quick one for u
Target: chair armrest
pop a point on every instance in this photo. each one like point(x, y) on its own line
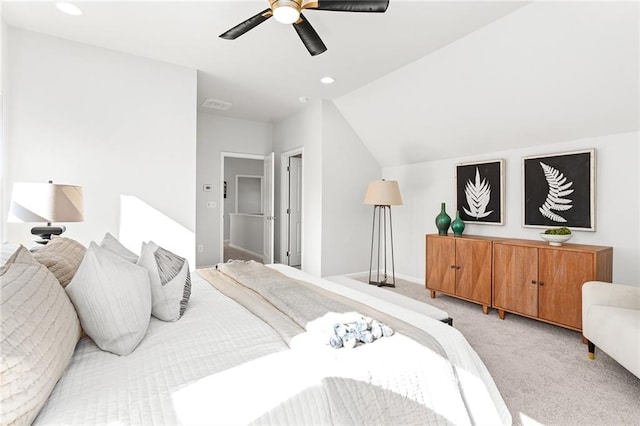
point(607, 294)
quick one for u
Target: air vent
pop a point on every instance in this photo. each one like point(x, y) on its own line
point(216, 104)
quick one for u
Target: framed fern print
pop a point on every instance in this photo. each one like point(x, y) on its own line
point(559, 190)
point(480, 191)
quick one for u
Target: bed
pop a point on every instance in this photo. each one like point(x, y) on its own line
point(237, 356)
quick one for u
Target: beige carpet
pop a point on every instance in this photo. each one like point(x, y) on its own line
point(542, 370)
point(231, 253)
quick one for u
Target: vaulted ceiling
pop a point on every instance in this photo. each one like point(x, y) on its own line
point(425, 80)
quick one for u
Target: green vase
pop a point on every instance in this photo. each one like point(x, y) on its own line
point(457, 226)
point(443, 221)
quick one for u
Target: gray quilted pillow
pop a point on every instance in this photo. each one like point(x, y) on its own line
point(62, 256)
point(39, 330)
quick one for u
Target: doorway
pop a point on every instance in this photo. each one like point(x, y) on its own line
point(247, 192)
point(292, 202)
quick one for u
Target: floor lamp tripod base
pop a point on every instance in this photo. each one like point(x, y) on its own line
point(381, 211)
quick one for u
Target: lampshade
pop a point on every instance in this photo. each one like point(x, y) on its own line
point(383, 193)
point(286, 11)
point(45, 202)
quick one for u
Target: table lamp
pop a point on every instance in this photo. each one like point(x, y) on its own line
point(45, 202)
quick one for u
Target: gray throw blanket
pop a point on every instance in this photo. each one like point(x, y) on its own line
point(403, 379)
point(303, 302)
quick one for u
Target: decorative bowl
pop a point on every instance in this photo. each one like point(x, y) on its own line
point(555, 239)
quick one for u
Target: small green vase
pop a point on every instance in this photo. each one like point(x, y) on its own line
point(457, 226)
point(443, 220)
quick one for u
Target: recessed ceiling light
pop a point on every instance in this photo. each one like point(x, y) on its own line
point(68, 8)
point(303, 99)
point(327, 79)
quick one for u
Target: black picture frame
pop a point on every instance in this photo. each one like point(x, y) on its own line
point(480, 192)
point(559, 190)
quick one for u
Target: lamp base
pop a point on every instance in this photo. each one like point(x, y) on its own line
point(382, 283)
point(45, 232)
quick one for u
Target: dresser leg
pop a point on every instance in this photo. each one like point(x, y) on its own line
point(485, 309)
point(433, 294)
point(501, 314)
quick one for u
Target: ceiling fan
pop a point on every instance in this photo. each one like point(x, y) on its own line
point(289, 12)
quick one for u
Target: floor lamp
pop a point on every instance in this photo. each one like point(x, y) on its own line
point(382, 194)
point(46, 202)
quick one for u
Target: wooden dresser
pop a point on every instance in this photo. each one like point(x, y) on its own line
point(460, 267)
point(526, 277)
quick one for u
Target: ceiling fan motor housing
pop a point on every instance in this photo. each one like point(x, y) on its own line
point(286, 11)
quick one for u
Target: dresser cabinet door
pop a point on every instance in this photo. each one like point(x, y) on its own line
point(441, 257)
point(473, 270)
point(515, 278)
point(561, 275)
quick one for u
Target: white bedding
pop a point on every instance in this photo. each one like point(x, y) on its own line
point(100, 387)
point(220, 364)
point(480, 392)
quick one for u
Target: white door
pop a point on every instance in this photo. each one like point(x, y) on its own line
point(295, 211)
point(268, 194)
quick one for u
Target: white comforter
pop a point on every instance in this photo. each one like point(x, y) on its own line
point(220, 364)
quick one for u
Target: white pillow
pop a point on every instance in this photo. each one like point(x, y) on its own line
point(113, 300)
point(39, 331)
point(111, 243)
point(170, 281)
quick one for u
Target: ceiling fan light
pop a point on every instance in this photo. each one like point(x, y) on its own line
point(286, 11)
point(68, 8)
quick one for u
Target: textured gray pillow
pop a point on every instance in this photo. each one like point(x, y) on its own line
point(170, 281)
point(39, 331)
point(113, 300)
point(111, 243)
point(62, 256)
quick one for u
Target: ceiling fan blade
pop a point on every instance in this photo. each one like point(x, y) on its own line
point(247, 25)
point(376, 6)
point(309, 36)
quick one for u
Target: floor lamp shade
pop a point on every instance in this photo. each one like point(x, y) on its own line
point(46, 202)
point(382, 194)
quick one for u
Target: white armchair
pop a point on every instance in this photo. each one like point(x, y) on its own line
point(611, 321)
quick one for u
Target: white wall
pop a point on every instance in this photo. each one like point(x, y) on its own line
point(121, 126)
point(3, 144)
point(347, 168)
point(215, 136)
point(303, 129)
point(337, 168)
point(425, 185)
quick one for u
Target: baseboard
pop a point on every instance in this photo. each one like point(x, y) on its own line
point(404, 277)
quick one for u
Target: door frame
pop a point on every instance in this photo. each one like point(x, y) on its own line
point(224, 155)
point(284, 195)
